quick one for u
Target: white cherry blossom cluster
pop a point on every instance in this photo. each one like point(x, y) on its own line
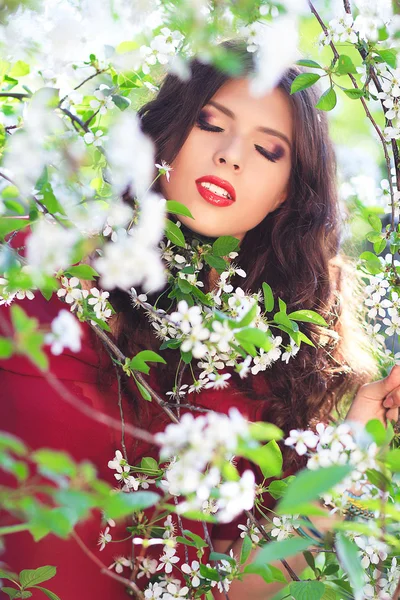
point(162, 48)
point(383, 304)
point(202, 445)
point(339, 445)
point(365, 26)
point(380, 586)
point(124, 474)
point(7, 296)
point(72, 293)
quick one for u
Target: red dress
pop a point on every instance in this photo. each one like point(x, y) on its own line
point(32, 410)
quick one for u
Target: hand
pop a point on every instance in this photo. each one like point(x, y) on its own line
point(378, 400)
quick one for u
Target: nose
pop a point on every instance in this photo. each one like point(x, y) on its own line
point(230, 155)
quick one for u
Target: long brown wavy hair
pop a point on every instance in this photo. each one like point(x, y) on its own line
point(296, 249)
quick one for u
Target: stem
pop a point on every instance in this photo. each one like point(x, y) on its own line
point(14, 528)
point(103, 569)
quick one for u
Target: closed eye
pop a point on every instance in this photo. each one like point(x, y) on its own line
point(271, 156)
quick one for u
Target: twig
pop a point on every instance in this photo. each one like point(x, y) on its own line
point(103, 569)
point(180, 525)
point(75, 119)
point(81, 84)
point(17, 95)
point(121, 412)
point(210, 544)
point(268, 538)
point(122, 358)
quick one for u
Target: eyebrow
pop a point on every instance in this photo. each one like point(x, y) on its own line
point(268, 130)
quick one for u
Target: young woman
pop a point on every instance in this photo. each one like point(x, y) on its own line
point(274, 157)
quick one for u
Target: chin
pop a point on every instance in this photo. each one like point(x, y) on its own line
point(204, 229)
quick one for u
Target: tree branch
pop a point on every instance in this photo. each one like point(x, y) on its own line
point(103, 569)
point(122, 358)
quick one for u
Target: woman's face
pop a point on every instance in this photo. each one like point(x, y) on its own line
point(233, 153)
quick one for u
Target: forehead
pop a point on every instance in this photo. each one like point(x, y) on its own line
point(270, 110)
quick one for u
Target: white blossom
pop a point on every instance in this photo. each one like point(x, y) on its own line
point(105, 537)
point(301, 440)
point(65, 333)
point(193, 571)
point(285, 526)
point(167, 560)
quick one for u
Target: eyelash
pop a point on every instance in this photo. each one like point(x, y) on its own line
point(273, 157)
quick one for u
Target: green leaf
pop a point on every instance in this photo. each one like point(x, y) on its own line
point(8, 575)
point(186, 357)
point(49, 200)
point(29, 577)
point(20, 69)
point(246, 549)
point(392, 460)
point(279, 550)
point(268, 572)
point(278, 488)
point(198, 540)
point(216, 262)
point(306, 62)
point(327, 100)
point(85, 272)
point(377, 431)
point(380, 246)
point(8, 441)
point(268, 297)
point(389, 57)
point(308, 316)
point(309, 485)
point(372, 262)
point(120, 504)
point(174, 234)
point(224, 245)
point(267, 457)
point(304, 81)
point(221, 556)
point(349, 558)
point(121, 102)
point(11, 592)
point(354, 93)
point(307, 590)
point(149, 463)
point(144, 393)
point(345, 65)
point(254, 336)
point(9, 224)
point(209, 573)
point(177, 208)
point(248, 318)
point(54, 461)
point(375, 223)
point(186, 542)
point(6, 347)
point(47, 592)
point(329, 593)
point(261, 431)
point(138, 362)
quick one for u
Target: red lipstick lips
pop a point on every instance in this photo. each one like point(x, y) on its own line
point(212, 197)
